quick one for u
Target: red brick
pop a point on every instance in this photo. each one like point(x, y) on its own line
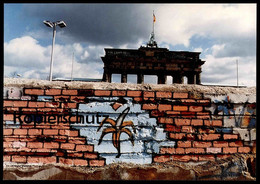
point(7, 144)
point(195, 108)
point(184, 158)
point(50, 132)
point(244, 149)
point(52, 104)
point(184, 144)
point(188, 129)
point(148, 94)
point(201, 144)
point(149, 106)
point(194, 150)
point(102, 93)
point(172, 128)
point(172, 113)
point(45, 160)
point(66, 161)
point(20, 131)
point(71, 133)
point(197, 122)
point(20, 103)
point(80, 162)
point(89, 148)
point(53, 92)
point(96, 163)
point(18, 158)
point(207, 158)
point(36, 104)
point(177, 135)
point(134, 93)
point(230, 136)
point(77, 98)
point(230, 150)
point(180, 95)
point(165, 120)
point(75, 155)
point(216, 122)
point(118, 93)
point(34, 131)
point(69, 105)
point(182, 122)
point(162, 158)
point(34, 91)
point(164, 107)
point(68, 146)
point(6, 158)
point(8, 131)
point(164, 150)
point(220, 144)
point(180, 108)
point(236, 144)
point(51, 145)
point(34, 144)
point(207, 137)
point(8, 117)
point(90, 155)
point(163, 94)
point(69, 92)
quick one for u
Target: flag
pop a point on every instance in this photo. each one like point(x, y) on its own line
point(154, 18)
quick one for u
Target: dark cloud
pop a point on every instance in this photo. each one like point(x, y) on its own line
point(107, 24)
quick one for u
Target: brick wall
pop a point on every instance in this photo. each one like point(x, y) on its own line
point(94, 127)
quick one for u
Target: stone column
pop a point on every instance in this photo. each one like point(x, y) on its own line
point(106, 76)
point(123, 78)
point(198, 79)
point(140, 78)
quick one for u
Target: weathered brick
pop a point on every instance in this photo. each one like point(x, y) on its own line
point(188, 129)
point(220, 144)
point(172, 128)
point(182, 122)
point(19, 145)
point(53, 92)
point(184, 144)
point(85, 92)
point(244, 149)
point(134, 93)
point(34, 131)
point(69, 92)
point(230, 136)
point(34, 144)
point(39, 159)
point(75, 155)
point(177, 135)
point(236, 144)
point(8, 131)
point(20, 131)
point(69, 105)
point(180, 95)
point(102, 93)
point(172, 113)
point(8, 117)
point(147, 94)
point(195, 108)
point(96, 163)
point(163, 94)
point(149, 106)
point(202, 144)
point(52, 104)
point(162, 158)
point(118, 93)
point(165, 120)
point(67, 146)
point(80, 162)
point(71, 133)
point(207, 137)
point(165, 150)
point(36, 104)
point(50, 132)
point(89, 148)
point(180, 108)
point(66, 161)
point(51, 145)
point(164, 107)
point(19, 159)
point(213, 150)
point(90, 155)
point(194, 150)
point(20, 103)
point(230, 150)
point(184, 158)
point(206, 158)
point(197, 122)
point(34, 91)
point(6, 158)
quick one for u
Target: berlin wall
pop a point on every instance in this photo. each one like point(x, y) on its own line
point(97, 125)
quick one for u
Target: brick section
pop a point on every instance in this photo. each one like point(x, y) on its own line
point(118, 93)
point(180, 95)
point(33, 91)
point(163, 94)
point(102, 93)
point(134, 93)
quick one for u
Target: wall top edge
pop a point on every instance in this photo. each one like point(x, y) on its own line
point(34, 83)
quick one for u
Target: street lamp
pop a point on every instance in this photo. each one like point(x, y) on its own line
point(53, 25)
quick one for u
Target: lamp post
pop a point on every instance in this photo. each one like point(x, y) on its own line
point(53, 25)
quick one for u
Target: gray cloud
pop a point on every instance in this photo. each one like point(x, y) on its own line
point(106, 24)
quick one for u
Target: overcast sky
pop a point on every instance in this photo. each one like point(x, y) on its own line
point(223, 33)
